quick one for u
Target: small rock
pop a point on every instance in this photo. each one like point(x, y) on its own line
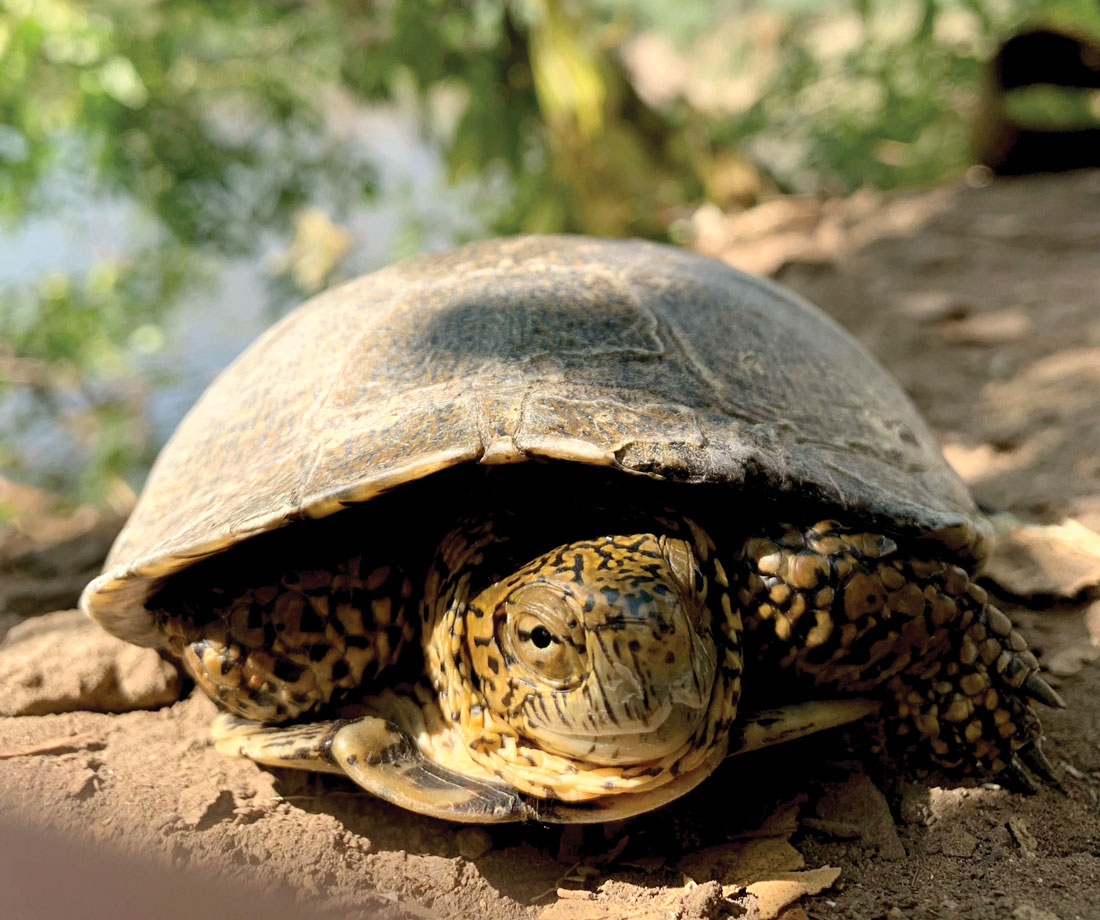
point(859, 802)
point(916, 807)
point(473, 842)
point(83, 785)
point(1025, 840)
point(959, 843)
point(63, 662)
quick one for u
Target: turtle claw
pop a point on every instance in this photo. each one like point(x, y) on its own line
point(1016, 776)
point(1038, 689)
point(1032, 756)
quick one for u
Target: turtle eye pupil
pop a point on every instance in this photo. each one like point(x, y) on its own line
point(541, 637)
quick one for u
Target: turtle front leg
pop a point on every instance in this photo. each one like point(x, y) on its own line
point(852, 612)
point(278, 651)
point(380, 756)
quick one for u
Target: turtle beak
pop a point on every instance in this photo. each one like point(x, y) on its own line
point(676, 671)
point(647, 690)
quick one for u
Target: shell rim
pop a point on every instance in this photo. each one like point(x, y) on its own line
point(115, 599)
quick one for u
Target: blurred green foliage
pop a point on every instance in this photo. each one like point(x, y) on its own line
point(212, 117)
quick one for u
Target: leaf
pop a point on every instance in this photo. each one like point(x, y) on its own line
point(770, 897)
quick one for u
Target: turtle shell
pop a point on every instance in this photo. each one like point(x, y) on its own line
point(624, 354)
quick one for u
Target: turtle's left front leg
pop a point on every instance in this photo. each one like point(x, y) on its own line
point(855, 613)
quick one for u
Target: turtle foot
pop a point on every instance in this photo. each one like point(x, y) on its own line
point(378, 755)
point(975, 707)
point(858, 613)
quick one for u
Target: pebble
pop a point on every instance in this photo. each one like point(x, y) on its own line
point(83, 785)
point(960, 844)
point(1025, 840)
point(915, 806)
point(473, 842)
point(860, 804)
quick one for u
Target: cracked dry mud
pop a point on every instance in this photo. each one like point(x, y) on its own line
point(985, 303)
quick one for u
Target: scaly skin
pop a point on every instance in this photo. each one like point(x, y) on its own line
point(278, 652)
point(638, 675)
point(606, 666)
point(853, 612)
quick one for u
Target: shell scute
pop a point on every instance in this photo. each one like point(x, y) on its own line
point(622, 354)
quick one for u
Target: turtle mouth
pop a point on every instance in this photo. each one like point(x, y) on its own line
point(621, 716)
point(667, 730)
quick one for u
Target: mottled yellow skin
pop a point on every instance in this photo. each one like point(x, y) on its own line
point(601, 666)
point(556, 376)
point(603, 676)
point(605, 671)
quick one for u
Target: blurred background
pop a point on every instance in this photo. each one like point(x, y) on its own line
point(176, 174)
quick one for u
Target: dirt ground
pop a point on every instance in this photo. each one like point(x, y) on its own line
point(985, 302)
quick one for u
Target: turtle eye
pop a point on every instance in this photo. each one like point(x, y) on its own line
point(538, 647)
point(537, 633)
point(541, 637)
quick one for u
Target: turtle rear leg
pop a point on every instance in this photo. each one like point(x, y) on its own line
point(854, 613)
point(281, 650)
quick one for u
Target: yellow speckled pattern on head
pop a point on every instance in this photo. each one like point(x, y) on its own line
point(636, 682)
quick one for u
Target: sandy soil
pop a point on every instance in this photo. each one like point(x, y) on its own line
point(985, 302)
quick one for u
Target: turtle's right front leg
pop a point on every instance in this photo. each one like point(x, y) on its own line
point(854, 613)
point(278, 651)
point(380, 756)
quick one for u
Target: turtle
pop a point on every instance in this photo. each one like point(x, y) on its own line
point(545, 527)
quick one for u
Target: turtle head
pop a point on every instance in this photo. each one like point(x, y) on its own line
point(603, 673)
point(600, 650)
